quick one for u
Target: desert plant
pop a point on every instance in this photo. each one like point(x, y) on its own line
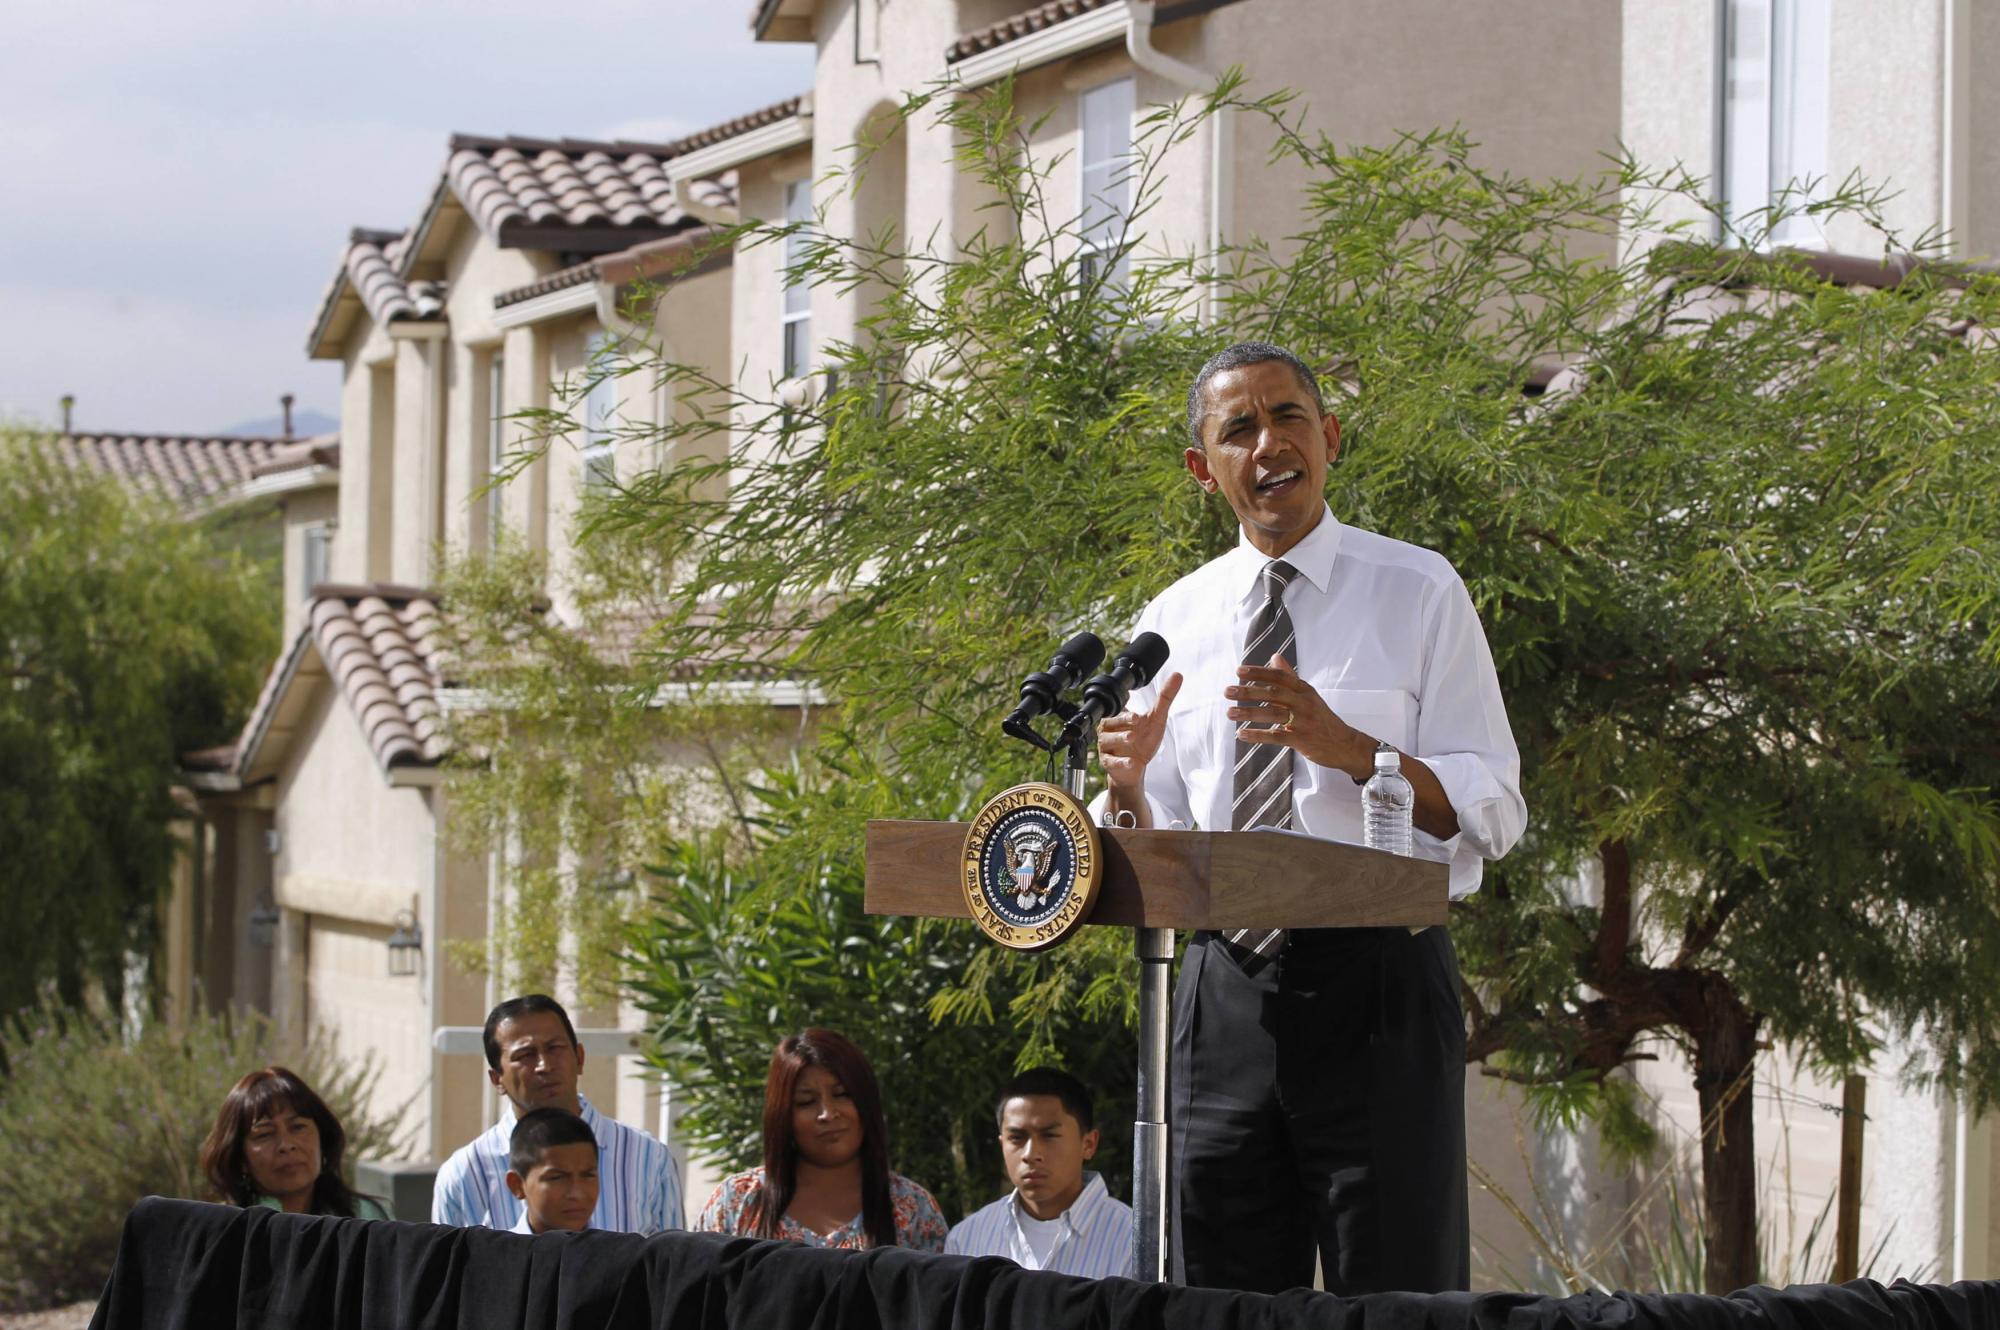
point(93, 1120)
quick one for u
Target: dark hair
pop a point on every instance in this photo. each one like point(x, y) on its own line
point(1054, 1082)
point(1236, 357)
point(543, 1129)
point(268, 1093)
point(514, 1009)
point(838, 1055)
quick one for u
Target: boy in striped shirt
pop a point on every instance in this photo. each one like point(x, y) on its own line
point(1058, 1217)
point(534, 1060)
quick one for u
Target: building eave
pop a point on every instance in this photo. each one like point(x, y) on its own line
point(557, 304)
point(1085, 32)
point(299, 480)
point(793, 131)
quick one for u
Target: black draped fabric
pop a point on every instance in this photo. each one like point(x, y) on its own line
point(186, 1264)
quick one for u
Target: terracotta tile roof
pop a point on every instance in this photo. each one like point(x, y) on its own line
point(184, 469)
point(1018, 26)
point(379, 646)
point(742, 124)
point(370, 278)
point(511, 184)
point(382, 650)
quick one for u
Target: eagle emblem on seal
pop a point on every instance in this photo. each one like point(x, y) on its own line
point(1031, 853)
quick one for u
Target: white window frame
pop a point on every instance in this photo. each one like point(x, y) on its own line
point(315, 556)
point(496, 441)
point(1104, 116)
point(600, 414)
point(795, 300)
point(1776, 82)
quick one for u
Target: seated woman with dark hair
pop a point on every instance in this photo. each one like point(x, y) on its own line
point(825, 1180)
point(276, 1143)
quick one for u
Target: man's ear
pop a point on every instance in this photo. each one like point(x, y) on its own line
point(1332, 423)
point(1090, 1143)
point(493, 1077)
point(579, 1054)
point(519, 1185)
point(1197, 465)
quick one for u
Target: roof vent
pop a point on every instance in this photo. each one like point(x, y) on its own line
point(286, 401)
point(68, 405)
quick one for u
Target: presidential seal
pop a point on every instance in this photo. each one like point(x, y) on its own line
point(1030, 867)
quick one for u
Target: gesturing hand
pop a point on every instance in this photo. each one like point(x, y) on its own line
point(1275, 706)
point(1127, 741)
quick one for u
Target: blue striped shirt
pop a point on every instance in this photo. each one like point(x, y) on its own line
point(639, 1189)
point(1096, 1237)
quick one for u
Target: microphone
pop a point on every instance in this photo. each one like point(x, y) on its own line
point(1041, 692)
point(1106, 694)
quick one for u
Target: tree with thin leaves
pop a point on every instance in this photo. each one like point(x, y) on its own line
point(1736, 563)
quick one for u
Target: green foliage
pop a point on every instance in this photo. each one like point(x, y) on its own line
point(728, 960)
point(128, 635)
point(1736, 565)
point(584, 766)
point(93, 1120)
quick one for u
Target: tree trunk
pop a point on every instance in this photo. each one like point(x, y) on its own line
point(1725, 1052)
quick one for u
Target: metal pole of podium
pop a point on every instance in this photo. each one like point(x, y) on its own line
point(1149, 1132)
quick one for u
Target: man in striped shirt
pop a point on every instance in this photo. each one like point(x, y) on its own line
point(533, 1058)
point(1058, 1217)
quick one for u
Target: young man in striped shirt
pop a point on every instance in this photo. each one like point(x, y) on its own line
point(1058, 1217)
point(533, 1058)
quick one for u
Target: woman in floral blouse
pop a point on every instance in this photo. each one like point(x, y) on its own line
point(825, 1180)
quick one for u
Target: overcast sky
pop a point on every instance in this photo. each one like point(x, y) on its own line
point(177, 180)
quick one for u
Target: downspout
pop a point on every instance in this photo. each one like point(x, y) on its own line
point(1139, 44)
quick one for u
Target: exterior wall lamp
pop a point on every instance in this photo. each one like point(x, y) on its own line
point(406, 945)
point(263, 923)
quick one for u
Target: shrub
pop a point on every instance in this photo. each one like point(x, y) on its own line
point(93, 1119)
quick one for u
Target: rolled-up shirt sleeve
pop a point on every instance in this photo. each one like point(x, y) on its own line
point(1464, 738)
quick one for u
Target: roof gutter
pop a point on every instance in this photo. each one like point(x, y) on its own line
point(793, 131)
point(295, 481)
point(1070, 37)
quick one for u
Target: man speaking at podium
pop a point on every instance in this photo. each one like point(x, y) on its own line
point(1317, 1079)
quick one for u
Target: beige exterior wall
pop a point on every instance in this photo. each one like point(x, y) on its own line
point(352, 853)
point(476, 269)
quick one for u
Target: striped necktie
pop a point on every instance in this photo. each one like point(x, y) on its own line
point(1263, 779)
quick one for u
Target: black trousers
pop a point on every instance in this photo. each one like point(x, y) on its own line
point(1319, 1102)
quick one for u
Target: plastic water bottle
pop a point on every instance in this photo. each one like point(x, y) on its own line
point(1386, 804)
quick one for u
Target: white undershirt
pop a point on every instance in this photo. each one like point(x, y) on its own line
point(1040, 1235)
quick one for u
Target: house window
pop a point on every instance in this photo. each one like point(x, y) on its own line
point(496, 441)
point(1104, 117)
point(600, 405)
point(797, 313)
point(315, 557)
point(1774, 112)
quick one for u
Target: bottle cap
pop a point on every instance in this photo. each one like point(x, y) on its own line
point(1388, 759)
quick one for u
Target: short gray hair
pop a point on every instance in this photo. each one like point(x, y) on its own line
point(1236, 357)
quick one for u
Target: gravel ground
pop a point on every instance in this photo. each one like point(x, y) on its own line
point(74, 1317)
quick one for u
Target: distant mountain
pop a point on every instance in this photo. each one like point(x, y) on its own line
point(305, 424)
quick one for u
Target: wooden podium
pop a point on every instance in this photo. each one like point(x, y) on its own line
point(1155, 882)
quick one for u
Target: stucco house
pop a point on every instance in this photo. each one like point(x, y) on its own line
point(324, 820)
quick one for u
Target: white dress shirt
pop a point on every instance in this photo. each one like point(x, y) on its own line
point(1388, 636)
point(1093, 1238)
